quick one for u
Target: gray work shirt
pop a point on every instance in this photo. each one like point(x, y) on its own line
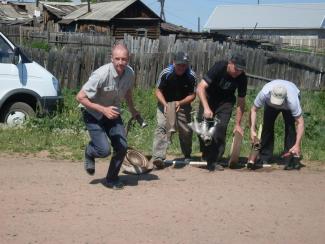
point(106, 88)
point(291, 102)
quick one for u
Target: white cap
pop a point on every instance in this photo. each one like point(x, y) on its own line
point(278, 95)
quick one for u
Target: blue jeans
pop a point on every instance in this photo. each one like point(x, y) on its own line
point(99, 146)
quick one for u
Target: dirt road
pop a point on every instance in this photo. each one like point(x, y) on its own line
point(49, 201)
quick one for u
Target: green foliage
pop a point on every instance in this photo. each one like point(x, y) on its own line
point(63, 135)
point(40, 45)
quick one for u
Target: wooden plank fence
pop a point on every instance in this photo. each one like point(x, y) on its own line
point(75, 55)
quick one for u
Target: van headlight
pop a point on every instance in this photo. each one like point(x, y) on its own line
point(56, 84)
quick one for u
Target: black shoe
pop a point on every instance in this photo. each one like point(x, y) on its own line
point(89, 164)
point(115, 185)
point(158, 163)
point(235, 166)
point(187, 160)
point(211, 167)
point(289, 167)
point(254, 166)
point(250, 165)
point(288, 159)
point(296, 162)
point(214, 167)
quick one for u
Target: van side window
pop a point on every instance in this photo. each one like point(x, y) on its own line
point(6, 53)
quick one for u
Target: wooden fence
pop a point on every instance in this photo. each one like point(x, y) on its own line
point(74, 56)
point(317, 45)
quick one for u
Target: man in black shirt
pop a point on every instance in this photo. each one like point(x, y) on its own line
point(176, 85)
point(217, 94)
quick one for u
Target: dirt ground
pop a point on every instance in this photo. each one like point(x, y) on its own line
point(51, 201)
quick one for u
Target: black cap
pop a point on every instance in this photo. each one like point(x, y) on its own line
point(239, 60)
point(181, 58)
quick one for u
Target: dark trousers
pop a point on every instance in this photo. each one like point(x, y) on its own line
point(216, 149)
point(99, 147)
point(267, 137)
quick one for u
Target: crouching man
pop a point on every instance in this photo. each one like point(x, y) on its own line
point(278, 96)
point(175, 92)
point(217, 95)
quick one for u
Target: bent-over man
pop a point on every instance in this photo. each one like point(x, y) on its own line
point(278, 96)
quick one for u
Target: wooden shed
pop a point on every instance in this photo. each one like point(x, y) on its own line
point(116, 18)
point(53, 12)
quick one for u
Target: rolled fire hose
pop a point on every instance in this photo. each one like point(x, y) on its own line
point(135, 162)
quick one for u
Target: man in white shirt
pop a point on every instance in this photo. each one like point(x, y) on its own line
point(278, 96)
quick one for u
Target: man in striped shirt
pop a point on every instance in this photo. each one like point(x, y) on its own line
point(176, 85)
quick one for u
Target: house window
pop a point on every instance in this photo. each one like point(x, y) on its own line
point(141, 32)
point(91, 28)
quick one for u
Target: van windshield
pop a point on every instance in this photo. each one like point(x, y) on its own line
point(6, 52)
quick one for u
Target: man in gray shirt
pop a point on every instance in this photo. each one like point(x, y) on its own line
point(101, 96)
point(278, 96)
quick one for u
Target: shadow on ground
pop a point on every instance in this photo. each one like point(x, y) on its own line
point(129, 180)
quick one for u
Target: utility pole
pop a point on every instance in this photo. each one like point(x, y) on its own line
point(198, 24)
point(88, 3)
point(258, 2)
point(162, 12)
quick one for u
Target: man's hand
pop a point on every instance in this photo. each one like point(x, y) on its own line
point(165, 108)
point(177, 106)
point(208, 114)
point(239, 129)
point(295, 150)
point(111, 112)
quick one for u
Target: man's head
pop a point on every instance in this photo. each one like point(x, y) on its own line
point(120, 58)
point(278, 95)
point(181, 62)
point(236, 64)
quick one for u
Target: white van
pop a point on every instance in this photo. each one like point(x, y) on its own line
point(26, 88)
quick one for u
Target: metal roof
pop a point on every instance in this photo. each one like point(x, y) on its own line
point(60, 10)
point(267, 16)
point(103, 11)
point(9, 12)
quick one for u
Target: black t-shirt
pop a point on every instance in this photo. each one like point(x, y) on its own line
point(222, 86)
point(174, 87)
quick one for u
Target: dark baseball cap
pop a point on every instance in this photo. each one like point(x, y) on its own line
point(181, 58)
point(239, 61)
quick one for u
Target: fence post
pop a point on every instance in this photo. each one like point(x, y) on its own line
point(20, 36)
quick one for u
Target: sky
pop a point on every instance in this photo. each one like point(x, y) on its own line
point(187, 12)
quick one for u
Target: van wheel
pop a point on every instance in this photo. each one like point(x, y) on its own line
point(18, 113)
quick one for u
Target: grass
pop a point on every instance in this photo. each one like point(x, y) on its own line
point(63, 136)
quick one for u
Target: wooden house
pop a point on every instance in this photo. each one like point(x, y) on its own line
point(132, 17)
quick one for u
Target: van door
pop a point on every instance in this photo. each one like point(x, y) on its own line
point(10, 73)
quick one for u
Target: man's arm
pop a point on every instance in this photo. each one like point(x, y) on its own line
point(201, 92)
point(161, 98)
point(186, 100)
point(253, 123)
point(110, 112)
point(300, 131)
point(129, 101)
point(239, 114)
